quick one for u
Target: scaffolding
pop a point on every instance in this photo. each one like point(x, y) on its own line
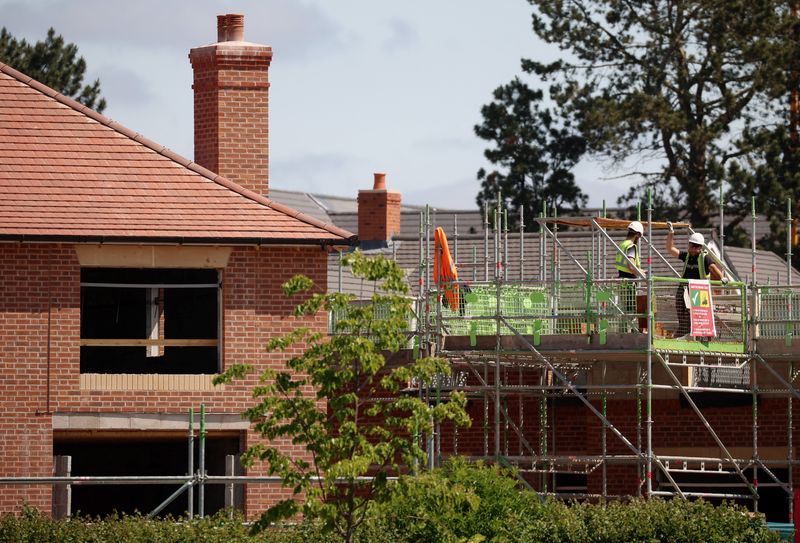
point(565, 333)
point(556, 339)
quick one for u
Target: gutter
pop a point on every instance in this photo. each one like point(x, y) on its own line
point(177, 240)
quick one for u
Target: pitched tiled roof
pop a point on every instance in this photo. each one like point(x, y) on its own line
point(69, 173)
point(474, 265)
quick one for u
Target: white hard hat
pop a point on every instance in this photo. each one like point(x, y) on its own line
point(637, 227)
point(697, 239)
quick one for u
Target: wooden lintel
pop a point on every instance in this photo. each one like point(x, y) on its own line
point(152, 256)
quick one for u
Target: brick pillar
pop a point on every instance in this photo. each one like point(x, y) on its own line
point(231, 106)
point(378, 212)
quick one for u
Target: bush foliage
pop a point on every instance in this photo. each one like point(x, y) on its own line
point(473, 503)
point(460, 503)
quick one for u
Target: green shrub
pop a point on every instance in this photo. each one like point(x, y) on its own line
point(459, 502)
point(548, 522)
point(31, 526)
point(464, 503)
point(472, 502)
point(640, 521)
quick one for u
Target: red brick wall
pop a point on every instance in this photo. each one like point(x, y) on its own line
point(33, 298)
point(378, 214)
point(573, 430)
point(231, 112)
point(41, 285)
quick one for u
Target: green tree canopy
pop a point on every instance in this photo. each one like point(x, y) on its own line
point(338, 400)
point(674, 80)
point(684, 96)
point(54, 63)
point(533, 150)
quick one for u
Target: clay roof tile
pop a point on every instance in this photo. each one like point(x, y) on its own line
point(70, 173)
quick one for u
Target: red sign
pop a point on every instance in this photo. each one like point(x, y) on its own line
point(701, 309)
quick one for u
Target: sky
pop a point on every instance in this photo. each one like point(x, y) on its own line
point(356, 86)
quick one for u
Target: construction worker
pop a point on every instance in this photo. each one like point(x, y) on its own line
point(696, 265)
point(629, 268)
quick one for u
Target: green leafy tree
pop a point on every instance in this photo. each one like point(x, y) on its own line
point(54, 63)
point(672, 83)
point(534, 153)
point(358, 441)
point(772, 175)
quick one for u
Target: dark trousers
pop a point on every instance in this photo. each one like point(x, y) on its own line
point(627, 293)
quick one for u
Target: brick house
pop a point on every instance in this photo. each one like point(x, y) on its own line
point(131, 275)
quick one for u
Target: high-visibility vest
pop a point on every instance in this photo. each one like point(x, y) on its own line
point(620, 263)
point(701, 264)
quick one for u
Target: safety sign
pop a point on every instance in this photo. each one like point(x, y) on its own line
point(701, 309)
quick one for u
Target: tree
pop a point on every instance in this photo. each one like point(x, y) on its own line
point(771, 175)
point(535, 152)
point(53, 63)
point(356, 443)
point(676, 81)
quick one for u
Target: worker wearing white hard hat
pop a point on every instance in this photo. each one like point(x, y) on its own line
point(695, 266)
point(697, 239)
point(637, 227)
point(630, 267)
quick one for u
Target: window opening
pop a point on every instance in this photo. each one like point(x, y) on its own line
point(142, 456)
point(571, 483)
point(150, 321)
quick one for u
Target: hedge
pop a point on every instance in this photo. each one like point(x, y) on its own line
point(460, 503)
point(471, 502)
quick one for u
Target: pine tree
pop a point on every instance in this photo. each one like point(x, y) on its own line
point(54, 63)
point(534, 153)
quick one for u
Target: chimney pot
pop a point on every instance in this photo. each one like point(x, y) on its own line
point(222, 28)
point(235, 27)
point(380, 181)
point(230, 27)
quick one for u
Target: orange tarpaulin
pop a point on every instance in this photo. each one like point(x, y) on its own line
point(444, 269)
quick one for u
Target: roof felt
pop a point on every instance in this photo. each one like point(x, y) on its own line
point(69, 173)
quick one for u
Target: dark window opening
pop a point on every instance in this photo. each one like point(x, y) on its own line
point(149, 321)
point(160, 456)
point(571, 483)
point(705, 400)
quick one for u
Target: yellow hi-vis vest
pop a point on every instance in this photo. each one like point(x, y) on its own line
point(701, 264)
point(620, 263)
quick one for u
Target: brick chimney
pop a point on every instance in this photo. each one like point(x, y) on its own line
point(231, 106)
point(378, 212)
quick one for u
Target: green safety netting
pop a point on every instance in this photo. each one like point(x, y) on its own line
point(574, 308)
